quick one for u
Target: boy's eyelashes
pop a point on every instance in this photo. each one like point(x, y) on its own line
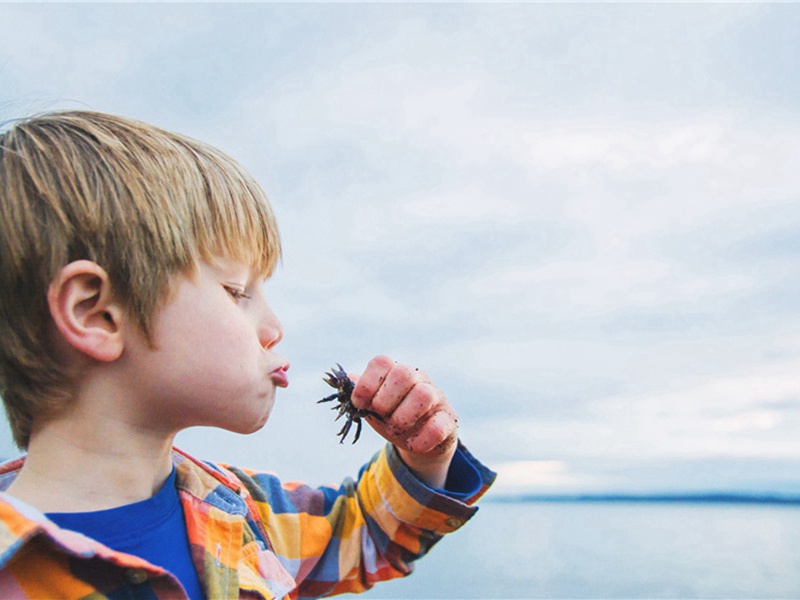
point(236, 293)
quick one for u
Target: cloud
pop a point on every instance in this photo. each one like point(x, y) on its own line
point(754, 414)
point(526, 474)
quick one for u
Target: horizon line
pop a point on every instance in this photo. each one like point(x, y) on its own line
point(660, 497)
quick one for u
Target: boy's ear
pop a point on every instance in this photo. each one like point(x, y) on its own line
point(85, 312)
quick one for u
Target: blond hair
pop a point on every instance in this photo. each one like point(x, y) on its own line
point(141, 202)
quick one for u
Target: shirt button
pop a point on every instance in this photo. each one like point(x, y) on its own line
point(136, 576)
point(454, 522)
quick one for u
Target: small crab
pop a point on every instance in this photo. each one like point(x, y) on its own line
point(338, 379)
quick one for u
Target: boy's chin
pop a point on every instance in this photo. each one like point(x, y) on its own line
point(255, 427)
point(240, 418)
point(248, 426)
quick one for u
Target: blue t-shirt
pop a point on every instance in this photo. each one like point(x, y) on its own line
point(153, 529)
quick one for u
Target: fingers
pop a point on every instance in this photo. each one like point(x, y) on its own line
point(384, 384)
point(401, 381)
point(416, 404)
point(370, 381)
point(436, 434)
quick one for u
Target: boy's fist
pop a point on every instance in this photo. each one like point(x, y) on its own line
point(417, 418)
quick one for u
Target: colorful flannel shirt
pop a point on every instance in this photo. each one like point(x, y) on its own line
point(250, 536)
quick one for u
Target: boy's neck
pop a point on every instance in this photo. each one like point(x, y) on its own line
point(89, 462)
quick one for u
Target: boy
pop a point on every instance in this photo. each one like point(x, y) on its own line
point(131, 269)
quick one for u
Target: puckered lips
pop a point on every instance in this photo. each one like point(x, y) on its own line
point(279, 376)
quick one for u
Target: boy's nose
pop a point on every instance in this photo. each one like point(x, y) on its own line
point(270, 330)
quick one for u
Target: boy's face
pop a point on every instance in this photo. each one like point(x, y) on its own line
point(212, 361)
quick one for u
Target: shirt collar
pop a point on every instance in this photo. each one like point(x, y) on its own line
point(19, 521)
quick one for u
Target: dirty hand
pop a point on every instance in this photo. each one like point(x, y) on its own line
point(417, 418)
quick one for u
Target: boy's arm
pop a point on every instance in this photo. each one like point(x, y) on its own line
point(335, 540)
point(346, 539)
point(400, 494)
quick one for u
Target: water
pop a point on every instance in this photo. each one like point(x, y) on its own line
point(612, 550)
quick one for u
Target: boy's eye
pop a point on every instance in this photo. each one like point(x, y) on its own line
point(237, 294)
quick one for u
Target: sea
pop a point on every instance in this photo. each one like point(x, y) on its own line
point(612, 549)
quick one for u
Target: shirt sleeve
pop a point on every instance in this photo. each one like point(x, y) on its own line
point(346, 539)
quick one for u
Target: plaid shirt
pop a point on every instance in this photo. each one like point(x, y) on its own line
point(250, 536)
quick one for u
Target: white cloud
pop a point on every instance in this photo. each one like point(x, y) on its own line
point(755, 419)
point(522, 475)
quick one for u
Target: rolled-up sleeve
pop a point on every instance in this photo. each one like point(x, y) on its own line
point(346, 539)
point(414, 503)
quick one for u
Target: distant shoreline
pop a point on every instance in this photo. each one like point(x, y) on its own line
point(675, 498)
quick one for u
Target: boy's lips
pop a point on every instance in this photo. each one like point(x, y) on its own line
point(279, 376)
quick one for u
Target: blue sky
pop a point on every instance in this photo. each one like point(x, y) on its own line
point(581, 219)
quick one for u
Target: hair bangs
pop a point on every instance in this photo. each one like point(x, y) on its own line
point(236, 220)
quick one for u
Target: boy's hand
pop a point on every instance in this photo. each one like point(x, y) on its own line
point(417, 418)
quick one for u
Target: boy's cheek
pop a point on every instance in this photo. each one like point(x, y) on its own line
point(186, 377)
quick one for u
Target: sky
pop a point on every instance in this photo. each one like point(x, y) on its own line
point(581, 220)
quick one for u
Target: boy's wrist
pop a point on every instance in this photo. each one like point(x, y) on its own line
point(431, 470)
